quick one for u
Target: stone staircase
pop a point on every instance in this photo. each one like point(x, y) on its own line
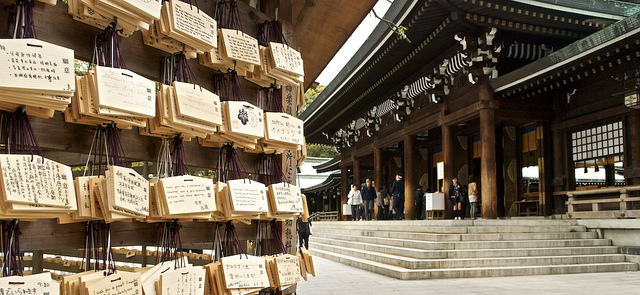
point(439, 249)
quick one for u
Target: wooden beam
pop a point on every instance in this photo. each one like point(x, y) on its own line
point(344, 189)
point(468, 113)
point(302, 19)
point(602, 114)
point(449, 160)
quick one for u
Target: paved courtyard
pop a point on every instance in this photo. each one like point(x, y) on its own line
point(336, 278)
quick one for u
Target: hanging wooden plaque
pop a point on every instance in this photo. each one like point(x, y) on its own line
point(286, 58)
point(36, 66)
point(126, 91)
point(248, 196)
point(130, 190)
point(183, 281)
point(245, 119)
point(188, 194)
point(245, 272)
point(281, 127)
point(194, 23)
point(28, 179)
point(240, 46)
point(198, 103)
point(288, 269)
point(287, 198)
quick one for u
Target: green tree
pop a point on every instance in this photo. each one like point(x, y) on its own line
point(321, 150)
point(310, 96)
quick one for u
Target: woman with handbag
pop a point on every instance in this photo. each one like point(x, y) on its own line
point(355, 200)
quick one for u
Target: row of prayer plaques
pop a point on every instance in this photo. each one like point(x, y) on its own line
point(36, 187)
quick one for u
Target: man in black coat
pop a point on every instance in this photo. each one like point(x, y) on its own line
point(419, 202)
point(397, 191)
point(368, 197)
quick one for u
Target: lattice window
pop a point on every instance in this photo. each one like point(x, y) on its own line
point(598, 142)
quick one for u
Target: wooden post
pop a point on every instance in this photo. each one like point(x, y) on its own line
point(409, 176)
point(36, 262)
point(449, 173)
point(510, 155)
point(377, 173)
point(544, 166)
point(488, 172)
point(633, 177)
point(356, 172)
point(559, 177)
point(344, 189)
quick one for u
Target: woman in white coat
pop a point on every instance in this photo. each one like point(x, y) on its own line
point(355, 200)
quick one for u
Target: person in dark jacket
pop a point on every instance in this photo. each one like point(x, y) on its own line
point(304, 229)
point(419, 202)
point(397, 191)
point(368, 197)
point(455, 197)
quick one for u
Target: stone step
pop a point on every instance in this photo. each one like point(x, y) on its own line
point(460, 237)
point(467, 245)
point(473, 253)
point(413, 274)
point(452, 223)
point(453, 229)
point(412, 263)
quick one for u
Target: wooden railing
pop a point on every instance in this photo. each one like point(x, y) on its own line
point(324, 216)
point(611, 202)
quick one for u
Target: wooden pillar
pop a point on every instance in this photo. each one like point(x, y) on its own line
point(344, 189)
point(409, 176)
point(377, 173)
point(544, 169)
point(356, 172)
point(632, 167)
point(489, 193)
point(449, 173)
point(510, 155)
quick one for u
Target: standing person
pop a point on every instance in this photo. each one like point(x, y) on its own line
point(380, 205)
point(419, 202)
point(368, 198)
point(397, 191)
point(387, 203)
point(463, 202)
point(455, 191)
point(355, 200)
point(304, 230)
point(473, 199)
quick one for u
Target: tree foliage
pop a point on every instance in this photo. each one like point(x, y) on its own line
point(310, 96)
point(321, 150)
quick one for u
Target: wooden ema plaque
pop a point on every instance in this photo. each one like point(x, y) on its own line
point(34, 180)
point(240, 46)
point(148, 8)
point(129, 190)
point(152, 275)
point(283, 128)
point(36, 66)
point(286, 58)
point(287, 270)
point(245, 119)
point(183, 281)
point(286, 198)
point(248, 196)
point(120, 283)
point(245, 272)
point(198, 103)
point(125, 91)
point(191, 25)
point(187, 195)
point(40, 284)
